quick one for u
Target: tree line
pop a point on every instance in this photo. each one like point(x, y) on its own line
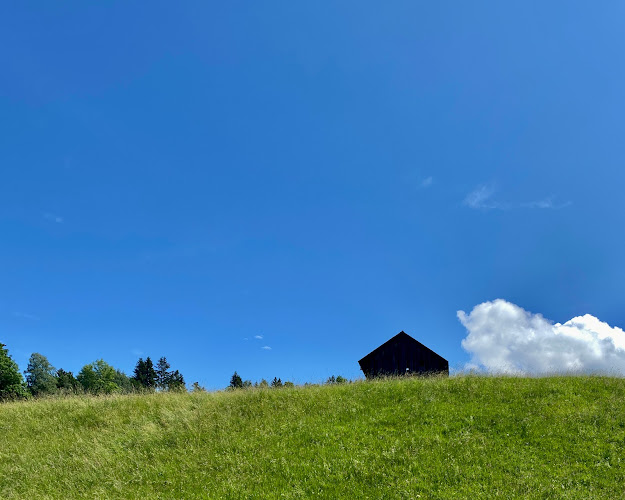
point(236, 382)
point(43, 379)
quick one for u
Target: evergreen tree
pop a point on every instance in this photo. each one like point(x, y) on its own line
point(40, 375)
point(236, 382)
point(162, 373)
point(145, 374)
point(276, 382)
point(11, 381)
point(167, 380)
point(175, 381)
point(66, 381)
point(196, 387)
point(263, 384)
point(138, 371)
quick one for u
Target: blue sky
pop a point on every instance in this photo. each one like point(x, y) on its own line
point(179, 179)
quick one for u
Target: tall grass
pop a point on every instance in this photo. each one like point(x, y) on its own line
point(459, 437)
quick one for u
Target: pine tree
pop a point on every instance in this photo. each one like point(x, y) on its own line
point(162, 373)
point(196, 387)
point(145, 374)
point(150, 374)
point(276, 382)
point(175, 381)
point(66, 380)
point(236, 382)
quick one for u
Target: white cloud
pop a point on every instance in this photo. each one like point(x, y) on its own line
point(53, 218)
point(481, 198)
point(503, 337)
point(266, 348)
point(258, 337)
point(427, 182)
point(546, 203)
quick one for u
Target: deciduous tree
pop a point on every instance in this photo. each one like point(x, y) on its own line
point(40, 375)
point(98, 378)
point(11, 381)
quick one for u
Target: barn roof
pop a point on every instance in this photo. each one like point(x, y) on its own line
point(405, 336)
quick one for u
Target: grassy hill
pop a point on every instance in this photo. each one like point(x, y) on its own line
point(462, 437)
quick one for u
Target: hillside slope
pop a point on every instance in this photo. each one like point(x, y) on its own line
point(462, 437)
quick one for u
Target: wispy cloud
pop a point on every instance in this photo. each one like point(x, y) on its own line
point(481, 198)
point(546, 203)
point(266, 348)
point(53, 218)
point(427, 182)
point(22, 315)
point(258, 337)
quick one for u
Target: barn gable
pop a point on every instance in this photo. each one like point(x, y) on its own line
point(401, 355)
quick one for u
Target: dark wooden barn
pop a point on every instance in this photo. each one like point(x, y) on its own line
point(402, 355)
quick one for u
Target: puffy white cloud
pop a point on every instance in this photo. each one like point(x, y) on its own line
point(503, 337)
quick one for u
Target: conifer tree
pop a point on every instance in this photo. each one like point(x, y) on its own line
point(145, 374)
point(162, 373)
point(236, 382)
point(175, 381)
point(66, 380)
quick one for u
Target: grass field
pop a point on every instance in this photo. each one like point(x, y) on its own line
point(462, 437)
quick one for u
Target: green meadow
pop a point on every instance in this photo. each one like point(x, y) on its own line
point(459, 437)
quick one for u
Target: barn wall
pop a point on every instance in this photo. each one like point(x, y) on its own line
point(393, 359)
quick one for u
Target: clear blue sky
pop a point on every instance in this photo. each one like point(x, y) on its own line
point(177, 178)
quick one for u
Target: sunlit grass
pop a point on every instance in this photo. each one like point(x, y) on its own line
point(459, 437)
